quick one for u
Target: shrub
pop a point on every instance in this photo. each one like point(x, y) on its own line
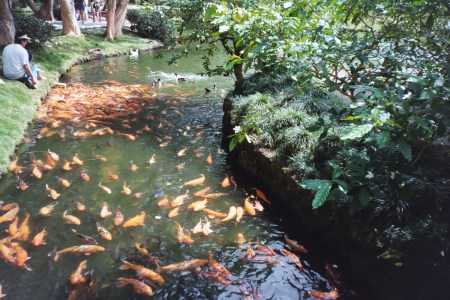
point(38, 30)
point(152, 24)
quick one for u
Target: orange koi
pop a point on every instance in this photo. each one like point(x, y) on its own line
point(143, 272)
point(126, 189)
point(39, 238)
point(81, 249)
point(70, 219)
point(138, 286)
point(173, 213)
point(52, 193)
point(66, 166)
point(195, 182)
point(105, 188)
point(209, 159)
point(231, 214)
point(105, 211)
point(76, 160)
point(225, 181)
point(84, 176)
point(76, 277)
point(334, 294)
point(294, 245)
point(216, 266)
point(249, 209)
point(22, 185)
point(64, 182)
point(213, 213)
point(292, 258)
point(183, 266)
point(118, 219)
point(202, 192)
point(138, 220)
point(261, 196)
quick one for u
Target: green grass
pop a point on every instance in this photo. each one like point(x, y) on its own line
point(18, 104)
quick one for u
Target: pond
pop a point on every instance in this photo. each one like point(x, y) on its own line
point(127, 145)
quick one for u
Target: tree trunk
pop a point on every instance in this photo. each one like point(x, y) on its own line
point(110, 19)
point(7, 29)
point(46, 11)
point(238, 72)
point(33, 6)
point(70, 26)
point(120, 16)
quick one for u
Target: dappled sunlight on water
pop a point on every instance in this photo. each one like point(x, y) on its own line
point(155, 139)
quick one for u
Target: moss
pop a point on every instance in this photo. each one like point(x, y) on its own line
point(18, 104)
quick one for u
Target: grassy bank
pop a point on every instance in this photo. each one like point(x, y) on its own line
point(18, 103)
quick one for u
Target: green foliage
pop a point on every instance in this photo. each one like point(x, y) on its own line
point(153, 24)
point(38, 30)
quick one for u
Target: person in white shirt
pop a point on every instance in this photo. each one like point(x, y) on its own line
point(16, 64)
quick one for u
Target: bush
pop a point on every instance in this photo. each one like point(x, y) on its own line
point(38, 30)
point(153, 25)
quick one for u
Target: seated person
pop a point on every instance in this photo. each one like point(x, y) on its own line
point(16, 64)
point(35, 69)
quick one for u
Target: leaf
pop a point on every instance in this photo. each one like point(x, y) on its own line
point(233, 143)
point(383, 138)
point(364, 197)
point(313, 184)
point(405, 149)
point(356, 131)
point(321, 195)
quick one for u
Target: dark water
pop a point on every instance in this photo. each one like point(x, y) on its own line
point(194, 123)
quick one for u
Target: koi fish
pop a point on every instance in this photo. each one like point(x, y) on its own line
point(70, 219)
point(104, 212)
point(182, 152)
point(198, 205)
point(81, 249)
point(163, 202)
point(7, 254)
point(84, 176)
point(133, 166)
point(173, 213)
point(21, 256)
point(105, 188)
point(180, 166)
point(76, 277)
point(264, 249)
point(22, 185)
point(85, 238)
point(125, 189)
point(231, 214)
point(23, 232)
point(181, 236)
point(292, 258)
point(141, 249)
point(113, 176)
point(12, 229)
point(295, 246)
point(1, 294)
point(138, 286)
point(257, 205)
point(214, 195)
point(179, 200)
point(249, 209)
point(135, 221)
point(213, 213)
point(47, 210)
point(39, 238)
point(13, 209)
point(99, 157)
point(13, 164)
point(183, 266)
point(76, 160)
point(216, 266)
point(66, 166)
point(143, 272)
point(118, 219)
point(64, 182)
point(202, 192)
point(36, 172)
point(209, 159)
point(240, 240)
point(152, 160)
point(102, 232)
point(239, 213)
point(261, 196)
point(195, 182)
point(80, 206)
point(334, 294)
point(52, 193)
point(214, 277)
point(225, 182)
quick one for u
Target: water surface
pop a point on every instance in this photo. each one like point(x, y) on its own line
point(183, 116)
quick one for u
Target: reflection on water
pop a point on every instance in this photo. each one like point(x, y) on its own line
point(176, 127)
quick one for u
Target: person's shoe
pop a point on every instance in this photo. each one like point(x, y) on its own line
point(30, 85)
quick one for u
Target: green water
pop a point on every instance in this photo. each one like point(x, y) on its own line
point(196, 112)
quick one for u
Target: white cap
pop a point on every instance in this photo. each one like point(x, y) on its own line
point(24, 37)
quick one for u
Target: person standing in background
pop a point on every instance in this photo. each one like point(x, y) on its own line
point(80, 10)
point(96, 10)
